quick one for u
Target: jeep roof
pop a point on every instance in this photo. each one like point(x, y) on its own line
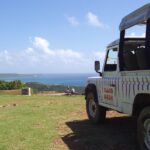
point(139, 16)
point(129, 39)
point(114, 43)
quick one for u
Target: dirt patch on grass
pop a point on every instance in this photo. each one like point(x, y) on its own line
point(118, 132)
point(9, 105)
point(50, 94)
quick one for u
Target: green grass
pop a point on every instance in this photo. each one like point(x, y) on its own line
point(33, 123)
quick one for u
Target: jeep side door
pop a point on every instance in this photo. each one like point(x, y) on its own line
point(110, 79)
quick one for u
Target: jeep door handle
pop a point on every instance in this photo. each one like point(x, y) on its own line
point(113, 85)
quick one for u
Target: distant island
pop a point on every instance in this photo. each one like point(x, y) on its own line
point(9, 75)
point(65, 79)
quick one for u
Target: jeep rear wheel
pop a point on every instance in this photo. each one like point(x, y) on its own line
point(95, 112)
point(143, 126)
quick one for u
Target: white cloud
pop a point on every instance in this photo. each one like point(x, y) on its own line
point(29, 50)
point(43, 52)
point(43, 45)
point(94, 20)
point(99, 54)
point(68, 53)
point(40, 58)
point(6, 58)
point(73, 21)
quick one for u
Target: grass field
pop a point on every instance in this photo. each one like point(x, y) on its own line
point(34, 123)
point(60, 123)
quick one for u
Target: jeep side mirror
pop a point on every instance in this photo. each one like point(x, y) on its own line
point(97, 67)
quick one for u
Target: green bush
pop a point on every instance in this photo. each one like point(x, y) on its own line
point(12, 85)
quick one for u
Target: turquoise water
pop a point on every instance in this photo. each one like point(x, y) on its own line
point(53, 79)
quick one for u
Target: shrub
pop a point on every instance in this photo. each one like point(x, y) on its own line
point(12, 85)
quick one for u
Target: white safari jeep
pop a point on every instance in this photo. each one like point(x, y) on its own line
point(124, 83)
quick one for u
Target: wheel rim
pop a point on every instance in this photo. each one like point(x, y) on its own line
point(147, 133)
point(92, 107)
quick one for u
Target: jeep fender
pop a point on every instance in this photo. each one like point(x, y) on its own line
point(91, 88)
point(140, 101)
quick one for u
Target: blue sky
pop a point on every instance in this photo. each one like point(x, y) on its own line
point(59, 36)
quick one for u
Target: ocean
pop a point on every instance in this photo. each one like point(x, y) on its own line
point(51, 79)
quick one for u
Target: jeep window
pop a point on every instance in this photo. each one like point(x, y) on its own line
point(111, 60)
point(134, 54)
point(136, 31)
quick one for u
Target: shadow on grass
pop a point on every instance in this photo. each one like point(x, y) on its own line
point(114, 134)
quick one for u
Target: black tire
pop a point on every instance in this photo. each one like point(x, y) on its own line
point(96, 113)
point(143, 129)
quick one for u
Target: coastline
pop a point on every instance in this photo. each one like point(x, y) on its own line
point(40, 87)
point(76, 79)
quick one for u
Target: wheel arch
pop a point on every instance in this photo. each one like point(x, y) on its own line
point(91, 88)
point(141, 100)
